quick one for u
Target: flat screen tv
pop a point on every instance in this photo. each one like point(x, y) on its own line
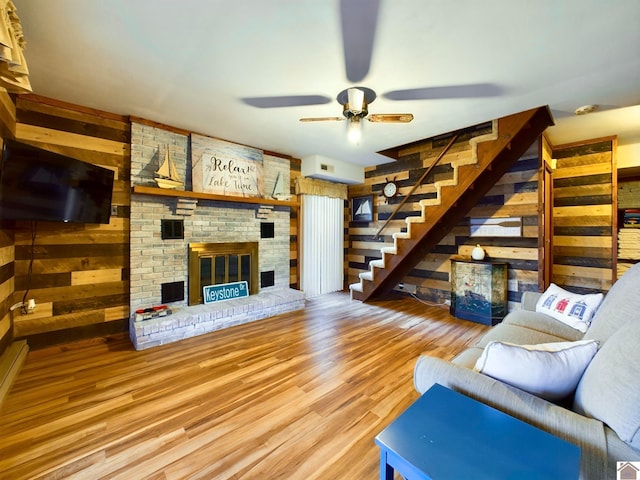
point(36, 184)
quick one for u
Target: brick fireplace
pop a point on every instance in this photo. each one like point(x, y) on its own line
point(163, 229)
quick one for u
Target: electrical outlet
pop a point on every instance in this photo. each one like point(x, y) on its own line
point(25, 308)
point(31, 306)
point(407, 288)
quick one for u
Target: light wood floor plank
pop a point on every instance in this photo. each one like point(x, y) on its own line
point(298, 396)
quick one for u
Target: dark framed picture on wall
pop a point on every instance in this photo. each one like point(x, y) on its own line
point(362, 209)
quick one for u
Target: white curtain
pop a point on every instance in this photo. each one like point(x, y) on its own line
point(322, 245)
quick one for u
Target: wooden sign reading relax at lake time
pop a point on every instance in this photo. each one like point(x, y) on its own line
point(226, 168)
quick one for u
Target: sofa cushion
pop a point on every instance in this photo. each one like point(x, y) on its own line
point(529, 299)
point(608, 390)
point(468, 357)
point(551, 370)
point(571, 308)
point(544, 324)
point(510, 333)
point(621, 305)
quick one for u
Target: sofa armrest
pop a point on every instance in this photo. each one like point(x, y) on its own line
point(529, 300)
point(584, 432)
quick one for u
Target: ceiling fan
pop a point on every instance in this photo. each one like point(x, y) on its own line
point(355, 101)
point(359, 19)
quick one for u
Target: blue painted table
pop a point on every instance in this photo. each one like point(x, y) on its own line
point(446, 435)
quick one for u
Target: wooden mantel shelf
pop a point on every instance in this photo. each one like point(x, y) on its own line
point(164, 192)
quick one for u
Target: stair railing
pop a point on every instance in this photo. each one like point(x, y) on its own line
point(418, 183)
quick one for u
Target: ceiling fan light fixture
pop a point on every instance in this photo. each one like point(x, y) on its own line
point(354, 130)
point(355, 98)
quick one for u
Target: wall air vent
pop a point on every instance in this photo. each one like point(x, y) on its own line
point(172, 229)
point(172, 292)
point(267, 279)
point(332, 170)
point(267, 230)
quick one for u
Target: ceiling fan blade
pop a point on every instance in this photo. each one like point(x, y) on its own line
point(449, 91)
point(391, 117)
point(322, 119)
point(286, 101)
point(359, 19)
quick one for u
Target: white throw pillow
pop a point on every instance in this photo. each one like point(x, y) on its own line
point(571, 308)
point(548, 370)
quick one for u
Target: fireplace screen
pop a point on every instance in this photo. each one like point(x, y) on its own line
point(217, 263)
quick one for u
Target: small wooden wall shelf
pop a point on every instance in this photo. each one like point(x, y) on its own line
point(163, 192)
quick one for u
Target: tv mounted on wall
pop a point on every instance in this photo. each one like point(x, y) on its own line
point(36, 184)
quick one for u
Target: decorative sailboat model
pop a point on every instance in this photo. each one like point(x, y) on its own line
point(167, 175)
point(278, 189)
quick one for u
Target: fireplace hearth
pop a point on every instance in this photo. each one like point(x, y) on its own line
point(201, 319)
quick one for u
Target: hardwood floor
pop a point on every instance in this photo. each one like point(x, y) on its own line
point(298, 396)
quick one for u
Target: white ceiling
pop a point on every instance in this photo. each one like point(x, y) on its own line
point(190, 64)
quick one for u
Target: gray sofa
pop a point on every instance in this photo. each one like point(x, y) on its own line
point(603, 416)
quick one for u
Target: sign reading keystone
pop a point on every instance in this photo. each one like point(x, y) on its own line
point(224, 291)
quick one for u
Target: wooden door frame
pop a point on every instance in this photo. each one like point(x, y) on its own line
point(545, 215)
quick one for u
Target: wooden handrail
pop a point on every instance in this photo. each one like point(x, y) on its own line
point(418, 183)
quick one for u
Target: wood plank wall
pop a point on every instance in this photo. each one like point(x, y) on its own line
point(7, 282)
point(80, 271)
point(7, 250)
point(295, 167)
point(515, 194)
point(584, 222)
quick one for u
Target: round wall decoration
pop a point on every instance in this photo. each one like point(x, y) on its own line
point(390, 189)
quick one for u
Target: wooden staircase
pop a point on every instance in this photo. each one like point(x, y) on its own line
point(492, 156)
